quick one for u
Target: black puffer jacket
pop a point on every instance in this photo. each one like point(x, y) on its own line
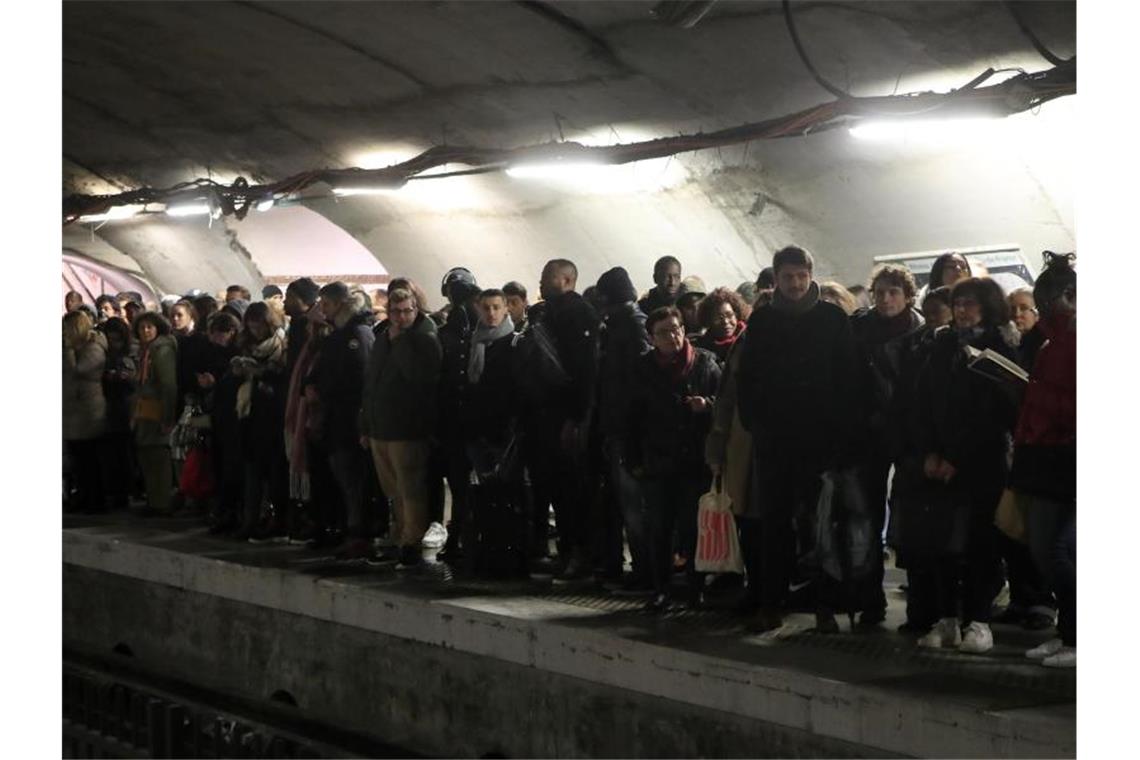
point(339, 379)
point(454, 389)
point(623, 342)
point(884, 345)
point(575, 326)
point(663, 435)
point(796, 388)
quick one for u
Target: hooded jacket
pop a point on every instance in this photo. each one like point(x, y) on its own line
point(623, 342)
point(401, 384)
point(454, 389)
point(339, 377)
point(84, 407)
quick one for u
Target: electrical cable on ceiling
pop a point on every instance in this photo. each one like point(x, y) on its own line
point(1022, 92)
point(1040, 47)
point(803, 55)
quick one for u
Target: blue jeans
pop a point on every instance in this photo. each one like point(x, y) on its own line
point(631, 505)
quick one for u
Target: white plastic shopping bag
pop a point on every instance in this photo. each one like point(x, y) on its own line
point(718, 548)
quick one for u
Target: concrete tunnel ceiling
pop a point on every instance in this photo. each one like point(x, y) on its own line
point(157, 93)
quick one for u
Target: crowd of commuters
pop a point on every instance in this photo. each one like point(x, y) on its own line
point(331, 417)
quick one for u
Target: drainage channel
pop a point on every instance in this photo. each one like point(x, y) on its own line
point(112, 710)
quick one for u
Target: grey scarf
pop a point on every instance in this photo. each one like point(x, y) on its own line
point(483, 335)
point(810, 299)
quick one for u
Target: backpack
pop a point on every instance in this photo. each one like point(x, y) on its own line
point(538, 367)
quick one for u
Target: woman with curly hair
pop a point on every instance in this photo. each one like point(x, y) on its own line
point(723, 314)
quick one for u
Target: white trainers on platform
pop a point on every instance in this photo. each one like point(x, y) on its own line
point(435, 537)
point(1066, 657)
point(978, 638)
point(945, 633)
point(1048, 649)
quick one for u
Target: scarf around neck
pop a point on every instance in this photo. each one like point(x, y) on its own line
point(483, 335)
point(269, 352)
point(802, 306)
point(679, 365)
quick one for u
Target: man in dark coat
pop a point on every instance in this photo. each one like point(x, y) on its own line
point(884, 335)
point(398, 416)
point(796, 397)
point(560, 429)
point(623, 342)
point(667, 280)
point(461, 291)
point(338, 383)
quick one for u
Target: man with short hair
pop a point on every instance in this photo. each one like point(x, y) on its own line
point(517, 305)
point(797, 396)
point(398, 417)
point(667, 279)
point(337, 383)
point(560, 429)
point(235, 292)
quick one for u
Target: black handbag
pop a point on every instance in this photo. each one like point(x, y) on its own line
point(930, 520)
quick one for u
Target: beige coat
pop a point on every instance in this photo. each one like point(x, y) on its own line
point(84, 408)
point(728, 444)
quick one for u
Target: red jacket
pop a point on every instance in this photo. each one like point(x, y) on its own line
point(1049, 411)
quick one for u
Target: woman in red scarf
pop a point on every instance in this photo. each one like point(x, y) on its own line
point(670, 413)
point(723, 314)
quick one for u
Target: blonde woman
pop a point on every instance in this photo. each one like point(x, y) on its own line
point(84, 410)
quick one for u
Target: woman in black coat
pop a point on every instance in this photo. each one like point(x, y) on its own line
point(962, 422)
point(669, 418)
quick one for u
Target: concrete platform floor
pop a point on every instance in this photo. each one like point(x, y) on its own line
point(1027, 699)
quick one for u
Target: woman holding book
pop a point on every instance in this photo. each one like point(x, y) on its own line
point(962, 420)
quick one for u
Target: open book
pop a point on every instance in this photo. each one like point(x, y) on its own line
point(995, 366)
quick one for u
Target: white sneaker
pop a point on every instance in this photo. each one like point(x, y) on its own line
point(1048, 649)
point(435, 537)
point(1065, 657)
point(945, 633)
point(977, 639)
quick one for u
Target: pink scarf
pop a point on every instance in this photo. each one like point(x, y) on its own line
point(296, 424)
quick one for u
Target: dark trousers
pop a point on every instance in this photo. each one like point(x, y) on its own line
point(458, 471)
point(1027, 589)
point(626, 496)
point(1051, 533)
point(229, 478)
point(921, 597)
point(1065, 581)
point(671, 505)
point(87, 473)
point(267, 474)
point(965, 588)
point(436, 472)
point(789, 492)
point(118, 472)
point(348, 469)
point(326, 506)
point(873, 475)
point(561, 476)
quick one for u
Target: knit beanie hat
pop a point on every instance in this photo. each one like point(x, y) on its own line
point(616, 286)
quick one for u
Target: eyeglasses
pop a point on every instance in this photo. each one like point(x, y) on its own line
point(669, 331)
